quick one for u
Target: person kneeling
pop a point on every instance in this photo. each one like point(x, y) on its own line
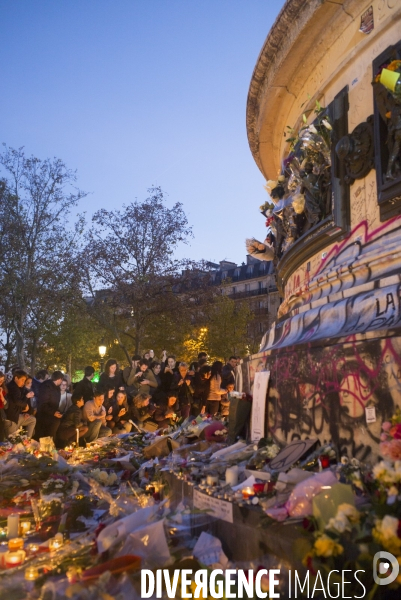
point(95, 416)
point(120, 414)
point(71, 421)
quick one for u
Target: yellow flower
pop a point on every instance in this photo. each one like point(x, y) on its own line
point(394, 65)
point(325, 546)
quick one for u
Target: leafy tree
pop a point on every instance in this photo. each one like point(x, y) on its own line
point(227, 323)
point(133, 273)
point(39, 266)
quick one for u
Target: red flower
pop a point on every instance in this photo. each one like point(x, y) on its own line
point(395, 431)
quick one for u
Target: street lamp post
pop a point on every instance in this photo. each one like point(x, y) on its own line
point(102, 354)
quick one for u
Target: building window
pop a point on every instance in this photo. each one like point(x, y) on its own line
point(234, 290)
point(247, 287)
point(249, 270)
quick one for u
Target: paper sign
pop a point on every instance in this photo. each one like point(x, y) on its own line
point(370, 414)
point(217, 508)
point(259, 405)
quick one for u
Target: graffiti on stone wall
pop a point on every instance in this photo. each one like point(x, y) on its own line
point(323, 392)
point(350, 292)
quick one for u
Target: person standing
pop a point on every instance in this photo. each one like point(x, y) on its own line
point(112, 376)
point(144, 379)
point(49, 414)
point(39, 378)
point(184, 388)
point(215, 391)
point(65, 397)
point(201, 389)
point(228, 372)
point(130, 372)
point(85, 387)
point(18, 410)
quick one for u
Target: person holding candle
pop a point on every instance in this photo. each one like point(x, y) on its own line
point(215, 391)
point(71, 421)
point(183, 386)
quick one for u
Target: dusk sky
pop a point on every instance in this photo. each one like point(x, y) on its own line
point(135, 93)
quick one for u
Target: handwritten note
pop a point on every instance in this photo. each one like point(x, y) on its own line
point(218, 508)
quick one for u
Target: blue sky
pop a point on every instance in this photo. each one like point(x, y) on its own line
point(133, 93)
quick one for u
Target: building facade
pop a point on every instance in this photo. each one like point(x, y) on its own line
point(324, 128)
point(252, 282)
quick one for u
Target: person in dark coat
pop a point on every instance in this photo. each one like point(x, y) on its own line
point(156, 369)
point(169, 369)
point(71, 421)
point(183, 386)
point(18, 411)
point(39, 378)
point(112, 376)
point(201, 389)
point(85, 387)
point(228, 372)
point(48, 414)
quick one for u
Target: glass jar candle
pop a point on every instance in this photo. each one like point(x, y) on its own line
point(14, 559)
point(15, 544)
point(25, 527)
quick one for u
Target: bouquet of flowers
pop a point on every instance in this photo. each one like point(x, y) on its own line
point(390, 446)
point(18, 437)
point(55, 483)
point(387, 479)
point(350, 541)
point(104, 477)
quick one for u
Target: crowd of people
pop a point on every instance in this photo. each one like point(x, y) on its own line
point(148, 393)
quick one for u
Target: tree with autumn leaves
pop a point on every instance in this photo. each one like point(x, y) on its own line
point(66, 285)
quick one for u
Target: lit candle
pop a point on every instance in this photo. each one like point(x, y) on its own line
point(77, 430)
point(55, 544)
point(3, 534)
point(31, 573)
point(33, 549)
point(12, 526)
point(247, 493)
point(25, 527)
point(15, 544)
point(14, 559)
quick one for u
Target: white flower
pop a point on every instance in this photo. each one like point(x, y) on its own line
point(326, 124)
point(392, 491)
point(340, 523)
point(344, 460)
point(312, 128)
point(388, 527)
point(349, 511)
